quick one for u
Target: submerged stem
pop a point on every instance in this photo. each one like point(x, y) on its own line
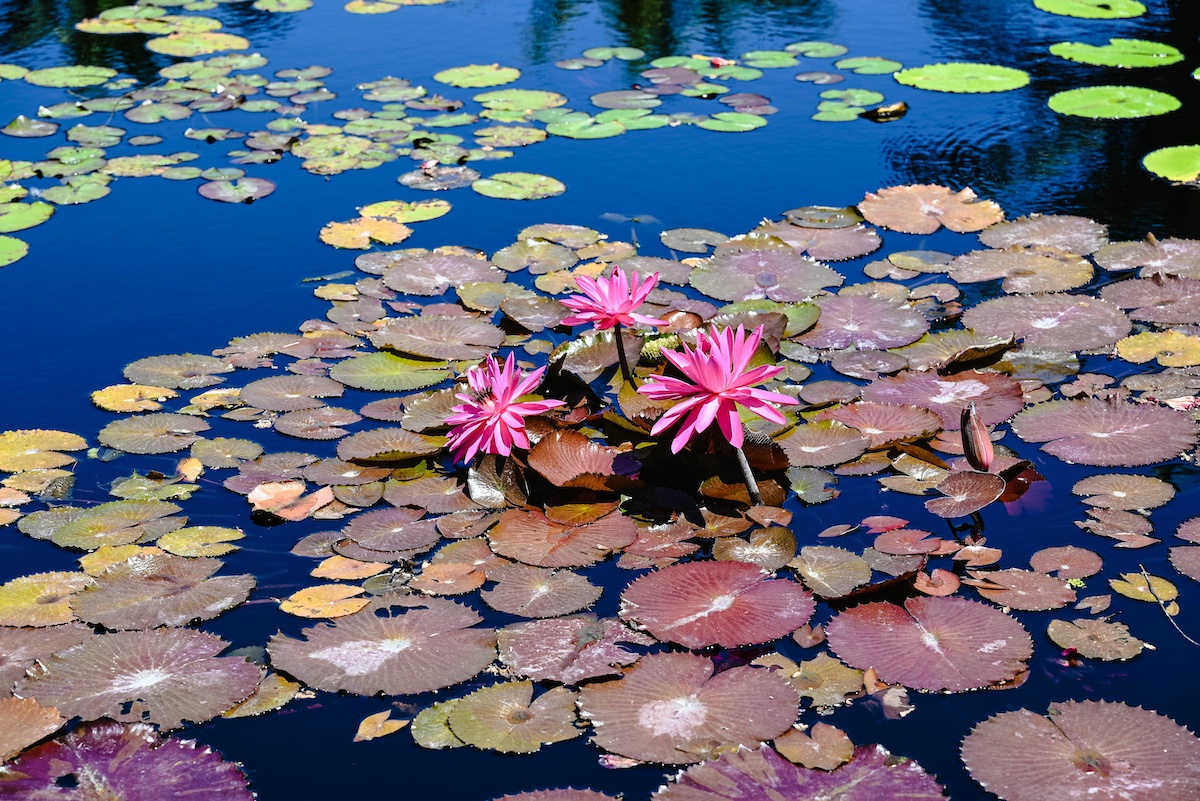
point(748, 475)
point(622, 358)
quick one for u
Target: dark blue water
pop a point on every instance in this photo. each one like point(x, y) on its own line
point(154, 268)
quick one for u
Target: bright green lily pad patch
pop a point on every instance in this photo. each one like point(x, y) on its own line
point(580, 125)
point(70, 77)
point(519, 186)
point(188, 45)
point(817, 49)
point(526, 100)
point(1112, 102)
point(619, 53)
point(25, 128)
point(1119, 53)
point(769, 59)
point(12, 249)
point(1093, 9)
point(732, 122)
point(868, 65)
point(12, 72)
point(407, 212)
point(477, 76)
point(1180, 163)
point(963, 77)
point(19, 216)
point(282, 6)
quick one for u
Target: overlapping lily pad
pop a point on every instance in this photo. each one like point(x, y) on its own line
point(1107, 434)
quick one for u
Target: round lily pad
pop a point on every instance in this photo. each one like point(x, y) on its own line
point(1112, 102)
point(243, 190)
point(732, 122)
point(868, 65)
point(1093, 9)
point(11, 250)
point(19, 216)
point(189, 45)
point(1119, 53)
point(962, 77)
point(475, 76)
point(519, 186)
point(70, 77)
point(1180, 163)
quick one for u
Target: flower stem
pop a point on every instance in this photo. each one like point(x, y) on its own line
point(622, 358)
point(751, 484)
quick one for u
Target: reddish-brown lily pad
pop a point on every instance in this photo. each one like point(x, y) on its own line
point(1107, 434)
point(671, 708)
point(1084, 750)
point(922, 209)
point(698, 604)
point(932, 643)
point(569, 649)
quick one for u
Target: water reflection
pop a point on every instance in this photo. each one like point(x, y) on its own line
point(669, 27)
point(31, 24)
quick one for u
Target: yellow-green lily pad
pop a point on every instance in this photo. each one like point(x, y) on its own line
point(519, 186)
point(478, 76)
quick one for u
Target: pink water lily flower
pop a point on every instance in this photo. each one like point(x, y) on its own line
point(611, 301)
point(718, 382)
point(490, 420)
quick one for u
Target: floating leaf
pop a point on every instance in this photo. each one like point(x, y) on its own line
point(21, 647)
point(108, 758)
point(474, 76)
point(538, 592)
point(164, 676)
point(882, 423)
point(1180, 163)
point(243, 190)
point(1124, 491)
point(1095, 639)
point(1119, 53)
point(1026, 590)
point(70, 77)
point(189, 45)
point(781, 275)
point(1112, 102)
point(23, 721)
point(378, 725)
point(831, 572)
point(182, 371)
point(519, 186)
point(12, 250)
point(716, 603)
point(33, 449)
point(41, 599)
point(415, 651)
point(152, 433)
point(1143, 587)
point(961, 77)
point(154, 590)
point(19, 216)
point(1084, 749)
point(932, 643)
point(671, 708)
point(965, 493)
point(1093, 9)
point(434, 273)
point(1098, 432)
point(1068, 561)
point(387, 372)
point(922, 209)
point(505, 717)
point(568, 649)
point(324, 600)
point(1058, 322)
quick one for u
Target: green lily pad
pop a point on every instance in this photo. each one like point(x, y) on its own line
point(705, 90)
point(70, 77)
point(962, 77)
point(619, 53)
point(578, 63)
point(580, 125)
point(283, 6)
point(1112, 102)
point(732, 122)
point(189, 45)
point(519, 186)
point(387, 372)
point(95, 135)
point(1180, 163)
point(150, 113)
point(634, 119)
point(407, 212)
point(80, 189)
point(243, 190)
point(526, 100)
point(769, 59)
point(817, 49)
point(1119, 53)
point(1093, 9)
point(869, 65)
point(504, 136)
point(853, 97)
point(19, 216)
point(12, 72)
point(478, 76)
point(12, 249)
point(23, 127)
point(834, 111)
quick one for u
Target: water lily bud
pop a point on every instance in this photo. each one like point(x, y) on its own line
point(977, 445)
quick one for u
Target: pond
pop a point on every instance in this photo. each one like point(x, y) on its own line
point(414, 187)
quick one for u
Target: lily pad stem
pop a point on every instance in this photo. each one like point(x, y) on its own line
point(751, 484)
point(629, 379)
